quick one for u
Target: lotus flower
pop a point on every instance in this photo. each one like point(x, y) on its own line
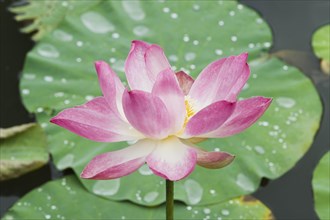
point(163, 113)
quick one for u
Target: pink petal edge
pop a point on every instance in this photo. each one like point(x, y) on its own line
point(221, 80)
point(209, 118)
point(156, 61)
point(135, 67)
point(119, 163)
point(168, 90)
point(172, 159)
point(95, 121)
point(111, 86)
point(147, 113)
point(246, 113)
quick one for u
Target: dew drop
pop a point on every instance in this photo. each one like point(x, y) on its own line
point(89, 97)
point(259, 149)
point(173, 58)
point(174, 15)
point(62, 35)
point(244, 182)
point(112, 60)
point(115, 35)
point(48, 216)
point(267, 44)
point(166, 10)
point(285, 67)
point(207, 211)
point(190, 56)
point(48, 50)
point(186, 38)
point(78, 59)
point(145, 170)
point(119, 65)
point(58, 94)
point(231, 13)
point(150, 197)
point(285, 102)
point(79, 43)
point(29, 76)
point(194, 191)
point(66, 101)
point(224, 212)
point(40, 109)
point(259, 20)
point(221, 23)
point(133, 9)
point(218, 52)
point(195, 42)
point(189, 208)
point(196, 7)
point(25, 92)
point(141, 30)
point(96, 23)
point(233, 38)
point(106, 187)
point(251, 45)
point(263, 123)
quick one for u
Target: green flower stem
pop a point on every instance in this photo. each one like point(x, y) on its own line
point(169, 199)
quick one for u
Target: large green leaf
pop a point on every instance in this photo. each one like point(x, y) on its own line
point(67, 199)
point(193, 34)
point(22, 149)
point(321, 187)
point(321, 46)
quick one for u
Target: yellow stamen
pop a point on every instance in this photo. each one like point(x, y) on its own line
point(189, 103)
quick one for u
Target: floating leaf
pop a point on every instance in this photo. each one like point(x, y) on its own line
point(321, 46)
point(321, 187)
point(22, 149)
point(67, 199)
point(44, 16)
point(62, 70)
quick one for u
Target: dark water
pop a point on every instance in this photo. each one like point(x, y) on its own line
point(292, 22)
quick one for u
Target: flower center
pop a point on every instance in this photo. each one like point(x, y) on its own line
point(189, 103)
point(189, 109)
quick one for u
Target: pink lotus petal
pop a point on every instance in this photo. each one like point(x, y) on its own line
point(156, 61)
point(95, 121)
point(246, 113)
point(147, 113)
point(213, 160)
point(119, 163)
point(167, 89)
point(221, 80)
point(172, 159)
point(111, 86)
point(209, 118)
point(185, 81)
point(135, 67)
